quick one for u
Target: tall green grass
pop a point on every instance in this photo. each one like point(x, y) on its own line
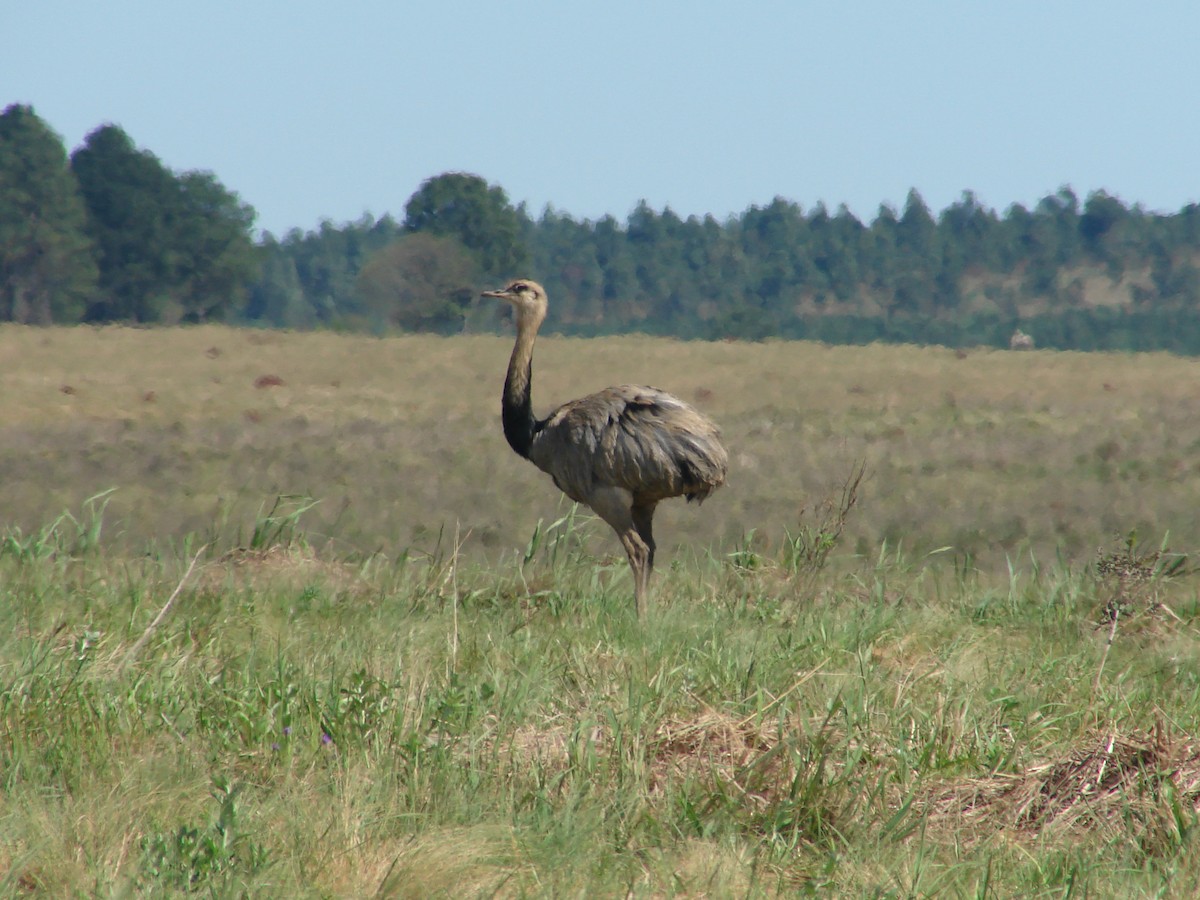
point(314, 724)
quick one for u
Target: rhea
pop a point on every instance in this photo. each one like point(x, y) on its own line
point(619, 451)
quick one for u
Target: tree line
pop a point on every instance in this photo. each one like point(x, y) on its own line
point(109, 234)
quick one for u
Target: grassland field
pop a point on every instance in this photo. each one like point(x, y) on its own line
point(418, 673)
point(988, 454)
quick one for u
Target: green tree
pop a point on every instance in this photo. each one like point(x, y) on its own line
point(916, 232)
point(777, 242)
point(478, 215)
point(841, 242)
point(171, 248)
point(616, 262)
point(659, 254)
point(277, 297)
point(1061, 212)
point(1103, 228)
point(422, 282)
point(130, 196)
point(969, 235)
point(47, 270)
point(884, 260)
point(323, 265)
point(719, 266)
point(567, 263)
point(916, 289)
point(773, 271)
point(213, 250)
point(1102, 213)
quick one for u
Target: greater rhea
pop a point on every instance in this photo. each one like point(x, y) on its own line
point(619, 451)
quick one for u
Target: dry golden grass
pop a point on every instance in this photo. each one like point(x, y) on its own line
point(1116, 784)
point(399, 438)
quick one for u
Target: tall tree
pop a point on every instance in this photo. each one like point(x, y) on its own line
point(917, 231)
point(214, 253)
point(968, 235)
point(130, 196)
point(277, 297)
point(47, 270)
point(1101, 214)
point(476, 214)
point(616, 261)
point(171, 248)
point(917, 239)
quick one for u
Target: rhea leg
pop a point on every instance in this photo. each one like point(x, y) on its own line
point(642, 516)
point(639, 562)
point(615, 506)
point(642, 521)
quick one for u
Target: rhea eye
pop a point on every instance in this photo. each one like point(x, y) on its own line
point(520, 288)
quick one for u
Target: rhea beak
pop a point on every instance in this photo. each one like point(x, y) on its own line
point(499, 295)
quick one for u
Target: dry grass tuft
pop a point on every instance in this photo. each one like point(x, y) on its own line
point(711, 746)
point(711, 741)
point(473, 861)
point(1135, 782)
point(722, 751)
point(295, 565)
point(547, 743)
point(1132, 578)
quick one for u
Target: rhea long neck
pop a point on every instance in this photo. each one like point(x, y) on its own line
point(517, 405)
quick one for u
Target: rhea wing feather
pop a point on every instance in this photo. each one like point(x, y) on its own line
point(633, 437)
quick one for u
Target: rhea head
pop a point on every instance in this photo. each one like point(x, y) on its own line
point(528, 299)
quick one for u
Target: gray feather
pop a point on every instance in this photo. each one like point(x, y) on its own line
point(638, 438)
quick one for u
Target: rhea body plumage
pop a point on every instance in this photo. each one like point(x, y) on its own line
point(619, 451)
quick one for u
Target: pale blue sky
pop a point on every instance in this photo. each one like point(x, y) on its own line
point(322, 110)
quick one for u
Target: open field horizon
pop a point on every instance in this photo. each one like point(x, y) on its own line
point(984, 454)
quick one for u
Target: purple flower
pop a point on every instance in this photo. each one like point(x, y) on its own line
point(287, 730)
point(326, 739)
point(275, 746)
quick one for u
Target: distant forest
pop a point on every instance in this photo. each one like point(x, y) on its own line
point(109, 234)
